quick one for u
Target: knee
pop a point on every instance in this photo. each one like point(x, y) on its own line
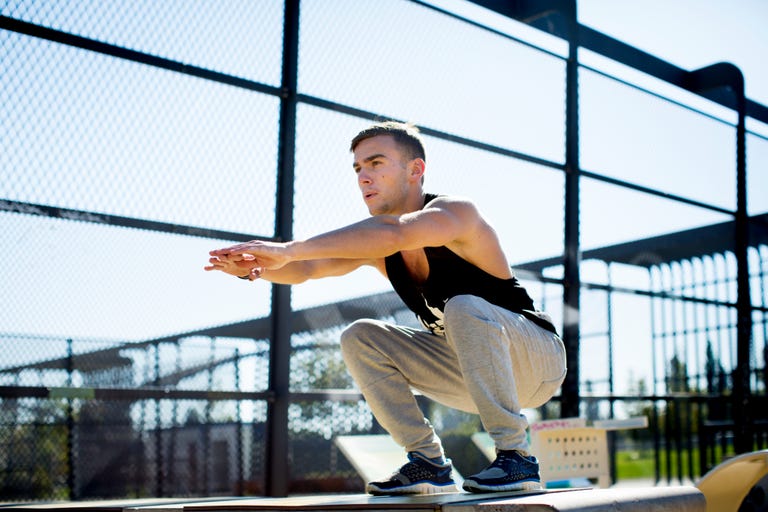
point(467, 319)
point(457, 308)
point(355, 335)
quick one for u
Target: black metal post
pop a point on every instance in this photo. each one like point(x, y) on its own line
point(71, 440)
point(712, 79)
point(277, 470)
point(611, 389)
point(172, 455)
point(160, 465)
point(571, 260)
point(742, 388)
point(208, 426)
point(656, 432)
point(239, 485)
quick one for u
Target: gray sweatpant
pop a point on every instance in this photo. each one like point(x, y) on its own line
point(491, 362)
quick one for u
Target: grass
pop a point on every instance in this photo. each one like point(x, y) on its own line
point(634, 464)
point(640, 463)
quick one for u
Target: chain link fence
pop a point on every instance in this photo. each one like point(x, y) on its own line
point(137, 136)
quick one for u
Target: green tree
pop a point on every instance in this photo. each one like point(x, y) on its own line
point(677, 376)
point(34, 465)
point(716, 382)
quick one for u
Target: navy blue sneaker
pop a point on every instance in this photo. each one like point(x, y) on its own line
point(511, 471)
point(418, 476)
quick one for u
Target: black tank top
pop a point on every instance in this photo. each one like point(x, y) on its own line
point(450, 275)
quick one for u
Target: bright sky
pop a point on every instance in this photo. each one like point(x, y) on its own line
point(691, 33)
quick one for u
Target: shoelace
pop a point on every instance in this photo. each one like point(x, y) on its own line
point(413, 472)
point(501, 459)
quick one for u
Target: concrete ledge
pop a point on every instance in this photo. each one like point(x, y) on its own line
point(635, 499)
point(650, 499)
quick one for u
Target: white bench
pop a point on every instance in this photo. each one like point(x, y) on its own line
point(375, 457)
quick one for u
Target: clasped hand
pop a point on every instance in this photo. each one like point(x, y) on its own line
point(254, 257)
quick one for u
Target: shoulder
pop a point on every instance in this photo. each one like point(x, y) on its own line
point(472, 229)
point(457, 205)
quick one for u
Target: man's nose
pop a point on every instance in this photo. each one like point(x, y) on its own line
point(363, 177)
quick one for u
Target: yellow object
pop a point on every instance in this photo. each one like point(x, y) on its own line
point(726, 485)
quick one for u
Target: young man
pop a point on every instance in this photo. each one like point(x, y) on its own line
point(485, 350)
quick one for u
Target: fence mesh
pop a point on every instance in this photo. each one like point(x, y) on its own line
point(137, 136)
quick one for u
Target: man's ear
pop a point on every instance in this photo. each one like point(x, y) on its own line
point(417, 167)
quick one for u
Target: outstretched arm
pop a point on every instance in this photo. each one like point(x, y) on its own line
point(246, 265)
point(372, 238)
point(444, 221)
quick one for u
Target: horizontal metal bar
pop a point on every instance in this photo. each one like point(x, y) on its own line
point(657, 294)
point(127, 222)
point(130, 394)
point(654, 192)
point(624, 53)
point(87, 393)
point(337, 395)
point(438, 134)
point(329, 395)
point(57, 36)
point(657, 95)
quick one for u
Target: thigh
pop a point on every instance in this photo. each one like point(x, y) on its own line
point(425, 360)
point(483, 333)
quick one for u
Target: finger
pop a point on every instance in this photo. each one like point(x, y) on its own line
point(223, 250)
point(235, 249)
point(230, 258)
point(214, 265)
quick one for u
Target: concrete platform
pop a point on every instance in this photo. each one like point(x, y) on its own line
point(635, 499)
point(115, 505)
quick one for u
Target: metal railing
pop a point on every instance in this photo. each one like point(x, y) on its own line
point(231, 404)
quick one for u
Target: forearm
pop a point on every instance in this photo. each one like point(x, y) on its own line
point(369, 239)
point(335, 252)
point(301, 271)
point(296, 272)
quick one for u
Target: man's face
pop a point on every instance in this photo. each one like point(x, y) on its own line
point(381, 175)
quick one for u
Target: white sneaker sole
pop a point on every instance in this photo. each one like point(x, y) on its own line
point(422, 488)
point(472, 486)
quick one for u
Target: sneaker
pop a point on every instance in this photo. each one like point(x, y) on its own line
point(418, 476)
point(511, 471)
